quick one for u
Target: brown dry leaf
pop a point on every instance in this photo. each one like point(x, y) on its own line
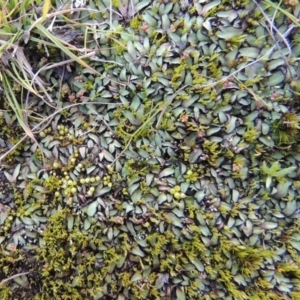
point(127, 9)
point(66, 34)
point(23, 60)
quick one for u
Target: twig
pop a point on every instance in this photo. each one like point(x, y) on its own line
point(110, 14)
point(105, 123)
point(166, 104)
point(12, 277)
point(64, 62)
point(292, 26)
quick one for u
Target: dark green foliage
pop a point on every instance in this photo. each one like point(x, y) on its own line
point(169, 174)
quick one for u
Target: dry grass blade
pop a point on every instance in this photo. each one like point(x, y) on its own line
point(60, 45)
point(26, 34)
point(19, 111)
point(284, 11)
point(252, 93)
point(152, 114)
point(19, 64)
point(273, 27)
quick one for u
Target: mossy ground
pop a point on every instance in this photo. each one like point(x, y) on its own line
point(167, 168)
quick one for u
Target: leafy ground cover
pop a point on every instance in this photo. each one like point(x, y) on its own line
point(149, 150)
